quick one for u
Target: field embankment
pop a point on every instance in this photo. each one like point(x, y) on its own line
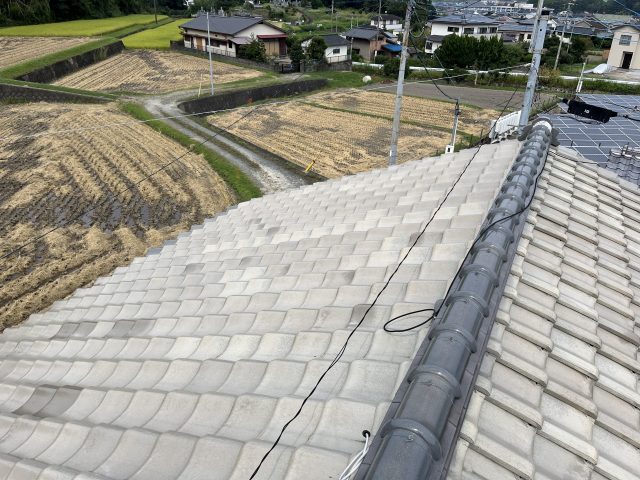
point(76, 200)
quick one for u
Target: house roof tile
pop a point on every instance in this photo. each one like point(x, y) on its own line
point(228, 25)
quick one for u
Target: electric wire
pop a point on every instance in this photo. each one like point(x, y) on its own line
point(386, 284)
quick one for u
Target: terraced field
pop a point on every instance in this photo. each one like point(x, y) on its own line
point(85, 189)
point(14, 50)
point(415, 110)
point(338, 142)
point(149, 71)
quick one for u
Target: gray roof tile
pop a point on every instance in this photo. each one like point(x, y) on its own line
point(187, 363)
point(563, 354)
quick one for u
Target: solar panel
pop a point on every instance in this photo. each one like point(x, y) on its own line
point(594, 140)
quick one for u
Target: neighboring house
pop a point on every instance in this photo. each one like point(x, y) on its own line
point(473, 25)
point(229, 34)
point(624, 51)
point(385, 21)
point(337, 48)
point(516, 32)
point(366, 41)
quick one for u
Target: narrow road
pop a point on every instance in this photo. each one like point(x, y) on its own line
point(269, 175)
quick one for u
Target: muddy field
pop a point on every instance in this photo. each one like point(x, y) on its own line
point(420, 111)
point(14, 50)
point(150, 71)
point(339, 142)
point(85, 189)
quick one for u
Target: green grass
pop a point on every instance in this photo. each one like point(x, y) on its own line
point(241, 184)
point(79, 28)
point(58, 88)
point(124, 32)
point(15, 71)
point(156, 38)
point(343, 79)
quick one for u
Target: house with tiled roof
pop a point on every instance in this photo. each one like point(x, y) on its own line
point(474, 25)
point(228, 34)
point(258, 344)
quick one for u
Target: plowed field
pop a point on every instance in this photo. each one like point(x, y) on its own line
point(414, 110)
point(339, 142)
point(149, 71)
point(14, 50)
point(86, 190)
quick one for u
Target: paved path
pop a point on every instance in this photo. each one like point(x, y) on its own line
point(269, 175)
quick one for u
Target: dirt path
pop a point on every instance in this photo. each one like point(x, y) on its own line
point(269, 175)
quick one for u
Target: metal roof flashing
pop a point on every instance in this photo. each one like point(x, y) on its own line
point(418, 435)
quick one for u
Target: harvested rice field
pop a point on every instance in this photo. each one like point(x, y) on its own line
point(338, 142)
point(420, 111)
point(14, 50)
point(150, 71)
point(85, 191)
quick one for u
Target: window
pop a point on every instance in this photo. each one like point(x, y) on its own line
point(482, 30)
point(468, 30)
point(625, 39)
point(493, 30)
point(230, 45)
point(336, 51)
point(453, 29)
point(428, 46)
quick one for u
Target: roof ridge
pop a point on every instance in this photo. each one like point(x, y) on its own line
point(416, 441)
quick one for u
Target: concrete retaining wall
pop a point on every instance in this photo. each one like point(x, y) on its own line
point(59, 69)
point(32, 94)
point(244, 97)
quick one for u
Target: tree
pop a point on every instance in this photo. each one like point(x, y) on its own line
point(458, 51)
point(316, 48)
point(255, 50)
point(296, 53)
point(391, 67)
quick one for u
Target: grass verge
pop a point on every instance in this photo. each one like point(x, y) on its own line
point(80, 28)
point(23, 68)
point(241, 184)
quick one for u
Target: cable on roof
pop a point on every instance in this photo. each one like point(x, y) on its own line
point(340, 353)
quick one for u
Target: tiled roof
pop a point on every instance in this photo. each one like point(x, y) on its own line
point(186, 363)
point(334, 40)
point(465, 19)
point(365, 32)
point(558, 395)
point(228, 25)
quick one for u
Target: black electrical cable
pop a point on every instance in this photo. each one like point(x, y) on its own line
point(375, 300)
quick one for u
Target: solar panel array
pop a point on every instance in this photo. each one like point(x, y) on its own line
point(594, 140)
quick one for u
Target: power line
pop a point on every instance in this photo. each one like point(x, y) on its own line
point(375, 300)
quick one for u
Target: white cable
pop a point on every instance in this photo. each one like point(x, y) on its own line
point(354, 464)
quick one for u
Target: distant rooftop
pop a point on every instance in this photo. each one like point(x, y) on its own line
point(228, 25)
point(465, 19)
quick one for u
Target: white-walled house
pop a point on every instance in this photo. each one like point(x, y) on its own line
point(231, 33)
point(625, 51)
point(388, 22)
point(337, 48)
point(474, 25)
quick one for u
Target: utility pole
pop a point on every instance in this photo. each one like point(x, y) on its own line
point(538, 44)
point(456, 114)
point(564, 26)
point(395, 129)
point(579, 86)
point(379, 13)
point(209, 49)
point(332, 19)
point(155, 10)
